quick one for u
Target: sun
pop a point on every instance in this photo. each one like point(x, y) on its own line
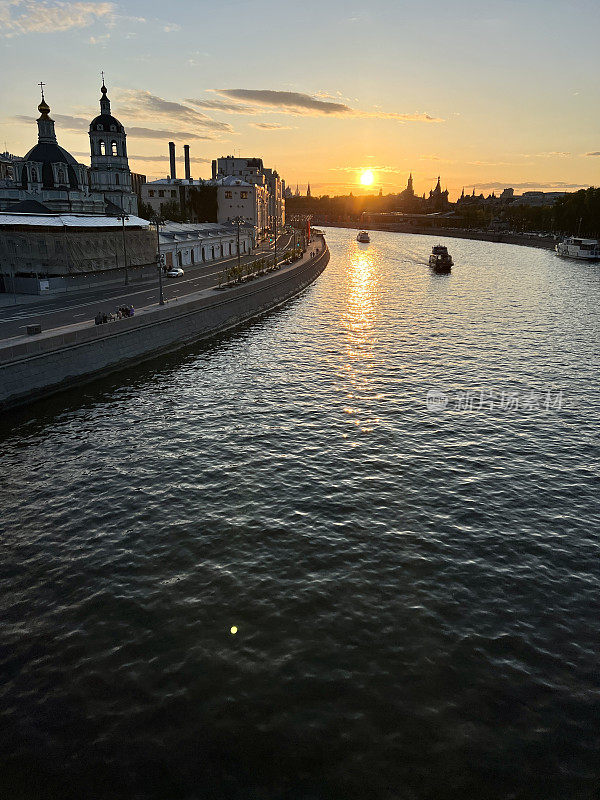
point(367, 177)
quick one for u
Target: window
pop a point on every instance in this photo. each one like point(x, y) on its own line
point(117, 178)
point(113, 148)
point(244, 195)
point(99, 127)
point(173, 193)
point(228, 195)
point(161, 193)
point(102, 147)
point(34, 176)
point(151, 193)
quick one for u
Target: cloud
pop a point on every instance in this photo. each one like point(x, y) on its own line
point(556, 185)
point(156, 159)
point(433, 157)
point(144, 104)
point(151, 133)
point(492, 163)
point(597, 153)
point(171, 27)
point(374, 168)
point(295, 102)
point(223, 105)
point(18, 17)
point(271, 126)
point(62, 121)
point(550, 154)
point(301, 104)
point(69, 123)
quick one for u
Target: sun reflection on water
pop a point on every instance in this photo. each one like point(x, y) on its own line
point(359, 321)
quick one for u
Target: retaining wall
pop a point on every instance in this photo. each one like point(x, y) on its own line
point(31, 368)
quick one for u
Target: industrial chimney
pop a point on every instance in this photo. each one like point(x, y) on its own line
point(186, 156)
point(172, 160)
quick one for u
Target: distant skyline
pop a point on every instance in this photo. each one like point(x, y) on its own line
point(485, 94)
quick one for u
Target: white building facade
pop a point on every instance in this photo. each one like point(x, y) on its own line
point(187, 244)
point(240, 198)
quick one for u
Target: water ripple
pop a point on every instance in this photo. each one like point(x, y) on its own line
point(415, 591)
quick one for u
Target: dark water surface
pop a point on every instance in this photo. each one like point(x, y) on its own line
point(415, 590)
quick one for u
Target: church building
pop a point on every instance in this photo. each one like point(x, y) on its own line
point(49, 176)
point(109, 171)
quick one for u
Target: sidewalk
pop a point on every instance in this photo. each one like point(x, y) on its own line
point(8, 299)
point(23, 299)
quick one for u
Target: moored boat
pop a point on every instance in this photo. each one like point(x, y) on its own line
point(440, 259)
point(582, 249)
point(364, 237)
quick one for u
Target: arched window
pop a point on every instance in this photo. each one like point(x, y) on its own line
point(34, 176)
point(180, 258)
point(113, 148)
point(192, 259)
point(102, 147)
point(117, 178)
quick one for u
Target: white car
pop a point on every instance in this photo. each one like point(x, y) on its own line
point(175, 272)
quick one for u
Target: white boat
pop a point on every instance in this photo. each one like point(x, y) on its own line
point(575, 247)
point(363, 236)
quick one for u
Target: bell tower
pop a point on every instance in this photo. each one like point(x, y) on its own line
point(109, 171)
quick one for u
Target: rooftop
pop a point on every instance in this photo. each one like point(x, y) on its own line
point(69, 220)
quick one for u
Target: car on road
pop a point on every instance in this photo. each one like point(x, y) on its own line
point(175, 272)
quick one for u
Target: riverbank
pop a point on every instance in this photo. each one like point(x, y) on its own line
point(527, 240)
point(34, 367)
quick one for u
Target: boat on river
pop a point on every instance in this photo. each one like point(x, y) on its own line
point(582, 249)
point(364, 237)
point(440, 259)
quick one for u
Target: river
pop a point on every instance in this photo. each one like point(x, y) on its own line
point(349, 551)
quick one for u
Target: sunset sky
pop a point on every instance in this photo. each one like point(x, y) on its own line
point(486, 94)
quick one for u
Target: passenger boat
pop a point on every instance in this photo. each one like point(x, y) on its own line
point(440, 259)
point(364, 237)
point(575, 247)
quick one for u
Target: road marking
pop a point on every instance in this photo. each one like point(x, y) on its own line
point(41, 312)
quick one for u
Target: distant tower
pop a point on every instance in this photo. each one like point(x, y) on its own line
point(380, 192)
point(308, 190)
point(109, 171)
point(409, 185)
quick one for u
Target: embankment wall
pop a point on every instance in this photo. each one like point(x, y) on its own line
point(54, 360)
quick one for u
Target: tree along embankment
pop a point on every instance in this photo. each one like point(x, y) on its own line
point(36, 366)
point(529, 240)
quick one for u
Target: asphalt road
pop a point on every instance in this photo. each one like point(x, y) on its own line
point(56, 311)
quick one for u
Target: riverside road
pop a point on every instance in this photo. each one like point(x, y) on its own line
point(56, 311)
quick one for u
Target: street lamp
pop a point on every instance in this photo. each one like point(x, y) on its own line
point(238, 221)
point(124, 217)
point(275, 227)
point(158, 221)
